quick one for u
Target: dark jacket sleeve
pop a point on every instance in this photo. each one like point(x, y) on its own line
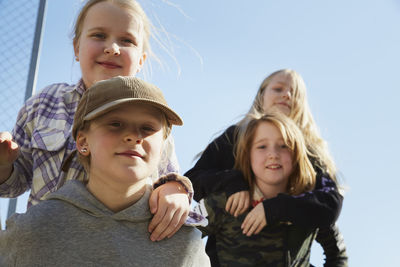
point(333, 245)
point(214, 171)
point(317, 208)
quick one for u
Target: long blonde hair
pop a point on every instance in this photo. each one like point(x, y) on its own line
point(301, 115)
point(302, 178)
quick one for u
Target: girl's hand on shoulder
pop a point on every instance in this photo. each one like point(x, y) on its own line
point(238, 203)
point(8, 149)
point(255, 221)
point(170, 205)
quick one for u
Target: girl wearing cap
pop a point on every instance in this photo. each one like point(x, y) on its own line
point(120, 128)
point(110, 38)
point(283, 91)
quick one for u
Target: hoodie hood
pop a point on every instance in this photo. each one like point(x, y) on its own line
point(75, 193)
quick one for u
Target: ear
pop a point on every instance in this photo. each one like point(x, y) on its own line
point(81, 144)
point(76, 50)
point(141, 61)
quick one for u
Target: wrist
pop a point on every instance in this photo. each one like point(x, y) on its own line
point(183, 183)
point(5, 172)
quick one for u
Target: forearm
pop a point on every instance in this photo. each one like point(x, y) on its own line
point(14, 186)
point(318, 208)
point(206, 182)
point(332, 242)
point(214, 171)
point(5, 172)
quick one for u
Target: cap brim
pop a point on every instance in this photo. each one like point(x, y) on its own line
point(172, 117)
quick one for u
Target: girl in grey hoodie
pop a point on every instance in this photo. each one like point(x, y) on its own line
point(120, 127)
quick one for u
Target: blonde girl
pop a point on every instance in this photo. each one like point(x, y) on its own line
point(111, 37)
point(283, 91)
point(272, 155)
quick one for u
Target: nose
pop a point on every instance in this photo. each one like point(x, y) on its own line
point(112, 49)
point(272, 153)
point(287, 94)
point(134, 136)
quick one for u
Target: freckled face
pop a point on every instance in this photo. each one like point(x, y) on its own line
point(111, 43)
point(271, 160)
point(278, 94)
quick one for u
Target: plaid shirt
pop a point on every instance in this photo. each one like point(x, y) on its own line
point(43, 133)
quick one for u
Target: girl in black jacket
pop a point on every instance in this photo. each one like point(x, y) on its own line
point(283, 91)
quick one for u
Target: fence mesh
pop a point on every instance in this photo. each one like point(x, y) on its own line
point(17, 29)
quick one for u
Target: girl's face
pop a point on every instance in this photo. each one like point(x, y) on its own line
point(124, 144)
point(278, 94)
point(271, 160)
point(111, 43)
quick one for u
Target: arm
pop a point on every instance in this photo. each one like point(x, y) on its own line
point(317, 208)
point(214, 171)
point(333, 245)
point(171, 198)
point(21, 176)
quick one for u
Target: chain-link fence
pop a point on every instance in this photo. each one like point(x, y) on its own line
point(17, 30)
point(18, 20)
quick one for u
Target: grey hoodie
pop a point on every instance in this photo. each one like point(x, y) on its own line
point(73, 228)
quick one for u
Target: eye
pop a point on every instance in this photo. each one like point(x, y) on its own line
point(129, 41)
point(261, 147)
point(98, 35)
point(148, 128)
point(115, 124)
point(278, 89)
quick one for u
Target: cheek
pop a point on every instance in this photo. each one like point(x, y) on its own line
point(268, 99)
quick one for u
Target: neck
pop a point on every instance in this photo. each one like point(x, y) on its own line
point(269, 191)
point(116, 197)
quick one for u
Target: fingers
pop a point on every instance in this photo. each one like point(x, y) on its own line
point(228, 204)
point(8, 149)
point(237, 203)
point(5, 136)
point(158, 216)
point(160, 223)
point(153, 201)
point(179, 225)
point(171, 208)
point(173, 219)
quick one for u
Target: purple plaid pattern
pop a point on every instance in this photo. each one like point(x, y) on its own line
point(43, 132)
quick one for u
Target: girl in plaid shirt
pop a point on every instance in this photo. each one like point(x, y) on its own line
point(110, 38)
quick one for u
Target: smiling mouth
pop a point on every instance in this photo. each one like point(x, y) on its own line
point(109, 65)
point(274, 167)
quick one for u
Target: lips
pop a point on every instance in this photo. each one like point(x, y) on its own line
point(274, 167)
point(284, 104)
point(130, 154)
point(109, 65)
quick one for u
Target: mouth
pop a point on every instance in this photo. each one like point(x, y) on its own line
point(274, 167)
point(284, 104)
point(130, 154)
point(109, 65)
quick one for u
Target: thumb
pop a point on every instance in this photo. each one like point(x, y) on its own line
point(153, 202)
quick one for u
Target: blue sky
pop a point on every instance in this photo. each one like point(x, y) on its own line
point(346, 51)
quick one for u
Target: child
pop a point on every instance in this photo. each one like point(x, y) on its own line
point(283, 91)
point(111, 38)
point(272, 155)
point(120, 128)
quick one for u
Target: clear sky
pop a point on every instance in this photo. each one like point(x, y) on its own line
point(346, 51)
